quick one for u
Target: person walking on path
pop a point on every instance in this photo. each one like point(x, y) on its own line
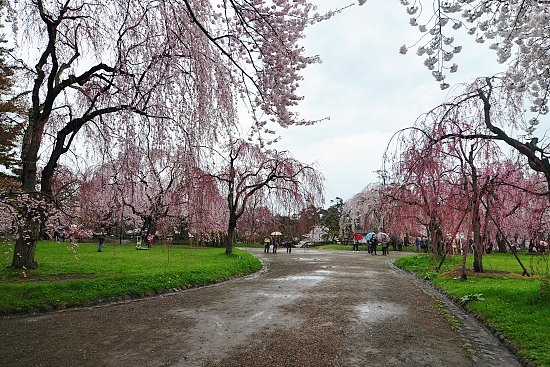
point(373, 244)
point(288, 247)
point(386, 248)
point(275, 245)
point(356, 238)
point(266, 245)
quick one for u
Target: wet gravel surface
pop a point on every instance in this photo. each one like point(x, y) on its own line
point(309, 308)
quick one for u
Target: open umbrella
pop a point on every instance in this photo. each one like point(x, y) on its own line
point(369, 235)
point(276, 234)
point(383, 237)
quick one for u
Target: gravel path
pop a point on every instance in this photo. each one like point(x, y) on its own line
point(310, 308)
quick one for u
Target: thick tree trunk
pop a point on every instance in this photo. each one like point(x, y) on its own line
point(478, 260)
point(476, 218)
point(25, 245)
point(501, 243)
point(478, 245)
point(31, 213)
point(230, 234)
point(463, 275)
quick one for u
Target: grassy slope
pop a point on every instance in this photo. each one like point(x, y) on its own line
point(67, 278)
point(515, 307)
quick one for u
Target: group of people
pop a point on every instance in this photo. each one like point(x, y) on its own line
point(271, 245)
point(372, 245)
point(150, 239)
point(421, 243)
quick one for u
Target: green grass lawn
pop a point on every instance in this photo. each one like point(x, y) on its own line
point(68, 277)
point(250, 245)
point(514, 305)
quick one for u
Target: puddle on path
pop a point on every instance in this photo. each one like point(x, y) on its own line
point(373, 312)
point(311, 260)
point(351, 273)
point(290, 296)
point(311, 279)
point(327, 272)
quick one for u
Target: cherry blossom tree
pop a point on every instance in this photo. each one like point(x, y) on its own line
point(151, 182)
point(494, 112)
point(467, 129)
point(245, 171)
point(518, 31)
point(518, 216)
point(257, 222)
point(175, 67)
point(425, 187)
point(205, 210)
point(453, 165)
point(99, 205)
point(362, 212)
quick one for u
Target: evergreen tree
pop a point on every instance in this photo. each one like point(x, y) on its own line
point(10, 115)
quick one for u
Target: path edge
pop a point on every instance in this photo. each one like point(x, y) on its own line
point(512, 347)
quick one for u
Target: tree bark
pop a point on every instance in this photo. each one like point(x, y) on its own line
point(476, 226)
point(476, 219)
point(28, 231)
point(25, 245)
point(501, 243)
point(464, 247)
point(231, 234)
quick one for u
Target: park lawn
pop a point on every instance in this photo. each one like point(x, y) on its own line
point(249, 244)
point(73, 276)
point(512, 304)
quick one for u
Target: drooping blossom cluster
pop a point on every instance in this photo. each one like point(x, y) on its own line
point(518, 32)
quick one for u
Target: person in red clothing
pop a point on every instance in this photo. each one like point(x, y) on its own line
point(150, 240)
point(356, 238)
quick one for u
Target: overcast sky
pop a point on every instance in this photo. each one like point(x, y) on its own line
point(368, 89)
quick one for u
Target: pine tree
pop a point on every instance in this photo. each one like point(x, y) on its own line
point(10, 117)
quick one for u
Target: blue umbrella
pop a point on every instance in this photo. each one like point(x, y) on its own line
point(369, 235)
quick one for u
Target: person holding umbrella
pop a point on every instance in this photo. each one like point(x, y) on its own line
point(384, 239)
point(373, 244)
point(369, 238)
point(356, 238)
point(275, 236)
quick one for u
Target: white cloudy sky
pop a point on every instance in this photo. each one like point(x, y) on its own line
point(368, 90)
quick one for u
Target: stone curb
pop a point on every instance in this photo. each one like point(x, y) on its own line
point(512, 348)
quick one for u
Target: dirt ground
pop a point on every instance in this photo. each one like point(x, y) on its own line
point(307, 308)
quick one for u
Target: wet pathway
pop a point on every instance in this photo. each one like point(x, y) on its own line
point(310, 308)
point(484, 348)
